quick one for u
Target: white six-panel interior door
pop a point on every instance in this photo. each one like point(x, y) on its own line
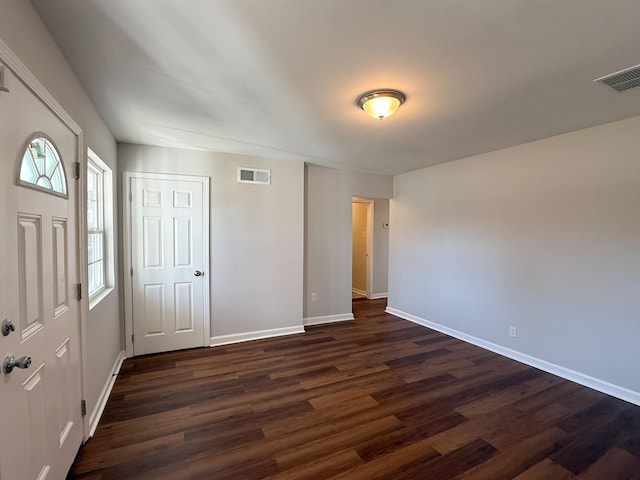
point(168, 262)
point(40, 410)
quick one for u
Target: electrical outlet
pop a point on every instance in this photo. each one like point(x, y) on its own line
point(513, 331)
point(314, 296)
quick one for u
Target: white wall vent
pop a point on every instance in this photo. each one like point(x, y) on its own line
point(623, 80)
point(254, 175)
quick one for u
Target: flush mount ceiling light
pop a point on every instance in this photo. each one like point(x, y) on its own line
point(380, 103)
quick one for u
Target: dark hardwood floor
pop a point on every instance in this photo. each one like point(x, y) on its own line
point(377, 398)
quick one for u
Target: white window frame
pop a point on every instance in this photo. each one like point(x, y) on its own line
point(103, 226)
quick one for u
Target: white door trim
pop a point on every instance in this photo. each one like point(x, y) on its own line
point(370, 248)
point(19, 69)
point(127, 251)
point(369, 275)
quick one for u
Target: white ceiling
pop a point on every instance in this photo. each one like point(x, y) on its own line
point(279, 78)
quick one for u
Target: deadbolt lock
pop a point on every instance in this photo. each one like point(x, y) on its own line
point(7, 327)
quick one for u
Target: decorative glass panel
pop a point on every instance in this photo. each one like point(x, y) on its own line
point(41, 166)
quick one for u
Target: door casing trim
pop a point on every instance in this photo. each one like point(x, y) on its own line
point(11, 61)
point(127, 250)
point(369, 260)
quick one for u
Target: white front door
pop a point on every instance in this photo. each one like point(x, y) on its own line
point(170, 277)
point(40, 414)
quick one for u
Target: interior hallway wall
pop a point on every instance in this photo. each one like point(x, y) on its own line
point(328, 195)
point(544, 237)
point(380, 247)
point(256, 235)
point(359, 235)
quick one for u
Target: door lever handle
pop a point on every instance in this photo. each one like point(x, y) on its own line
point(10, 363)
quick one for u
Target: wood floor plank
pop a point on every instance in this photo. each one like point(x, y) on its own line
point(545, 469)
point(322, 416)
point(300, 454)
point(510, 463)
point(453, 463)
point(592, 438)
point(100, 458)
point(322, 467)
point(509, 396)
point(615, 463)
point(374, 398)
point(487, 426)
point(392, 464)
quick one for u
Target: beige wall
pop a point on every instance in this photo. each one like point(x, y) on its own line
point(256, 235)
point(359, 234)
point(23, 32)
point(380, 247)
point(328, 195)
point(543, 236)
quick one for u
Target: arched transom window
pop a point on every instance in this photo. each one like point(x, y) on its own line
point(42, 167)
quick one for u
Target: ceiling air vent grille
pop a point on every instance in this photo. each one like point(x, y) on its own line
point(254, 175)
point(623, 80)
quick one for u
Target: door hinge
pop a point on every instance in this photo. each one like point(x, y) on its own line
point(131, 272)
point(130, 197)
point(132, 338)
point(79, 291)
point(77, 166)
point(83, 407)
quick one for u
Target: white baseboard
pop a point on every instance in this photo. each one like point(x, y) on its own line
point(577, 377)
point(376, 296)
point(97, 411)
point(341, 317)
point(256, 335)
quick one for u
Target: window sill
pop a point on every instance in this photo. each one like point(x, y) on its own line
point(97, 298)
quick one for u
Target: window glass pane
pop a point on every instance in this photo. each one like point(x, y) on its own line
point(91, 281)
point(96, 277)
point(98, 274)
point(57, 179)
point(95, 236)
point(44, 182)
point(39, 162)
point(97, 243)
point(50, 162)
point(95, 261)
point(41, 166)
point(92, 199)
point(90, 248)
point(99, 226)
point(28, 169)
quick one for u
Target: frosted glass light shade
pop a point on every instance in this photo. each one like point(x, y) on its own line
point(380, 103)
